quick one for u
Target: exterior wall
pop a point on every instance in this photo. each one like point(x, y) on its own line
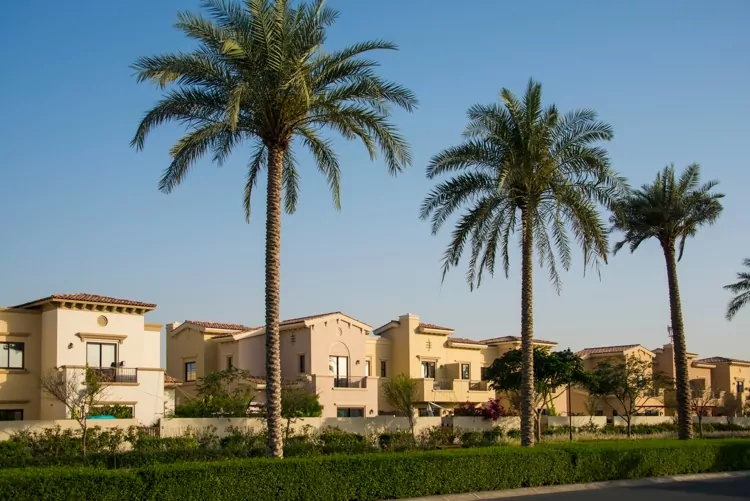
point(185, 346)
point(170, 399)
point(19, 388)
point(8, 428)
point(225, 350)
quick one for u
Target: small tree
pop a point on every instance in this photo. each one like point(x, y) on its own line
point(223, 393)
point(298, 402)
point(630, 382)
point(701, 400)
point(400, 392)
point(77, 391)
point(552, 371)
point(731, 406)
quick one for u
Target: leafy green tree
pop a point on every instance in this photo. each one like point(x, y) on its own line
point(260, 75)
point(226, 393)
point(400, 392)
point(528, 168)
point(741, 289)
point(670, 209)
point(553, 371)
point(626, 385)
point(298, 402)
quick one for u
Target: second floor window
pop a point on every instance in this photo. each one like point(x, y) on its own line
point(230, 362)
point(428, 370)
point(101, 355)
point(367, 368)
point(302, 365)
point(465, 371)
point(11, 355)
point(191, 371)
point(382, 369)
point(483, 373)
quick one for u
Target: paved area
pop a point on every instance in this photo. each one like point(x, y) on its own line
point(725, 489)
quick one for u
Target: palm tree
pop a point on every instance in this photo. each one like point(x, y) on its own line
point(523, 163)
point(260, 74)
point(670, 209)
point(742, 290)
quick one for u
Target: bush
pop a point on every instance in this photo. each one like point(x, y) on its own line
point(386, 476)
point(436, 436)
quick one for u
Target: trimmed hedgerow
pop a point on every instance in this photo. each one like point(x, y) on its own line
point(379, 476)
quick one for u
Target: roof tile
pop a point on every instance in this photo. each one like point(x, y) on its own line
point(89, 298)
point(602, 350)
point(433, 326)
point(512, 339)
point(464, 340)
point(219, 325)
point(720, 360)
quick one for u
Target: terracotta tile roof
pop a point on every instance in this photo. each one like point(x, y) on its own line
point(171, 380)
point(464, 340)
point(720, 360)
point(219, 325)
point(320, 315)
point(89, 298)
point(512, 339)
point(602, 350)
point(433, 326)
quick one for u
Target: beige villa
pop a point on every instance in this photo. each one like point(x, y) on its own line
point(345, 360)
point(69, 332)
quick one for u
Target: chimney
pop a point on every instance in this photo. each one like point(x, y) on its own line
point(170, 327)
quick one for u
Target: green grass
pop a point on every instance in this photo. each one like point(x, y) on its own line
point(379, 476)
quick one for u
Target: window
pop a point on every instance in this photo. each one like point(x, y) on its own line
point(11, 415)
point(190, 371)
point(11, 355)
point(740, 387)
point(338, 367)
point(428, 370)
point(230, 362)
point(350, 412)
point(367, 368)
point(382, 368)
point(465, 371)
point(302, 365)
point(101, 355)
point(483, 373)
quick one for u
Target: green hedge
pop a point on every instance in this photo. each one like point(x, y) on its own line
point(379, 476)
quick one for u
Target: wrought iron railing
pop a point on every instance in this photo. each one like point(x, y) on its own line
point(349, 382)
point(116, 374)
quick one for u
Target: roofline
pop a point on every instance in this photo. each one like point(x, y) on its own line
point(390, 325)
point(308, 322)
point(52, 299)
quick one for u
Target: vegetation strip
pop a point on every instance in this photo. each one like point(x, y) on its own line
point(380, 476)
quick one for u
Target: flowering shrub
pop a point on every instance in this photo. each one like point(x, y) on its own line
point(490, 410)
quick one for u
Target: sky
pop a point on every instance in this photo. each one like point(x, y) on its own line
point(82, 213)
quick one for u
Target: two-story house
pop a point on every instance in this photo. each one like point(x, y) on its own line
point(328, 350)
point(67, 333)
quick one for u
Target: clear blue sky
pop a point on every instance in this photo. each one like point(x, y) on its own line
point(81, 210)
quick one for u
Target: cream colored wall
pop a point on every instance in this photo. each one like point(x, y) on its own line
point(720, 378)
point(251, 355)
point(739, 373)
point(224, 350)
point(19, 389)
point(701, 373)
point(184, 346)
point(337, 337)
point(294, 343)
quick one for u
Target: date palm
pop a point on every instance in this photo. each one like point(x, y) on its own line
point(742, 290)
point(670, 209)
point(259, 75)
point(524, 167)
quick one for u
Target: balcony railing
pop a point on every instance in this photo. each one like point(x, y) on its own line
point(350, 382)
point(116, 374)
point(442, 384)
point(478, 386)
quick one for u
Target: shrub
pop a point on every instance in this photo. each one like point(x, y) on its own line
point(435, 436)
point(398, 441)
point(386, 476)
point(335, 440)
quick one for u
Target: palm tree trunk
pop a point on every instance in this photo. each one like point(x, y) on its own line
point(273, 286)
point(527, 329)
point(682, 379)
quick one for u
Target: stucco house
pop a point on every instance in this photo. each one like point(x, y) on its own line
point(70, 332)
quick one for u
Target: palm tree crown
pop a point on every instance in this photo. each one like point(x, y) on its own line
point(260, 74)
point(519, 156)
point(741, 289)
point(669, 209)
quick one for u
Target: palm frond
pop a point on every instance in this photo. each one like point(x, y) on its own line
point(741, 289)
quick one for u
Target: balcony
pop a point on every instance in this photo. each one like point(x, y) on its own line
point(349, 382)
point(110, 375)
point(453, 390)
point(479, 386)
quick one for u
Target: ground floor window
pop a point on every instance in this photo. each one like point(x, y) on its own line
point(350, 412)
point(11, 415)
point(117, 411)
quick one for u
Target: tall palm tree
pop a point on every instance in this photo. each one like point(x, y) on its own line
point(742, 290)
point(260, 74)
point(670, 209)
point(524, 163)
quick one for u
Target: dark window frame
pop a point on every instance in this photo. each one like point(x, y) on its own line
point(483, 374)
point(230, 362)
point(383, 368)
point(194, 371)
point(368, 368)
point(3, 411)
point(23, 354)
point(431, 371)
point(348, 411)
point(302, 363)
point(468, 371)
point(100, 345)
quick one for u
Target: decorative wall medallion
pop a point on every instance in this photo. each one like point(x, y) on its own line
point(102, 321)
